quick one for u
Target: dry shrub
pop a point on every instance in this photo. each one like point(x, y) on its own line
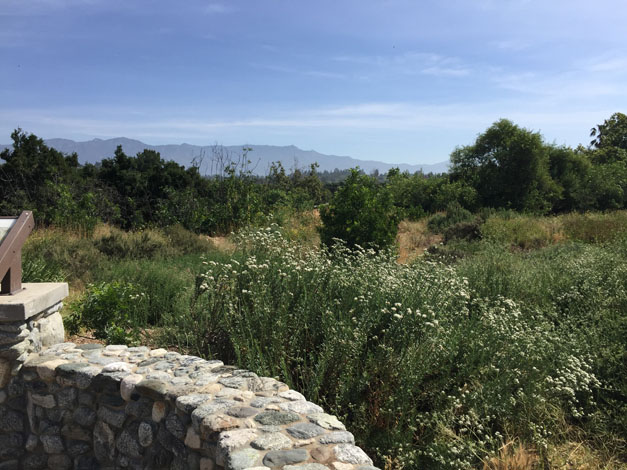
point(185, 241)
point(579, 456)
point(223, 244)
point(303, 227)
point(414, 238)
point(133, 245)
point(512, 457)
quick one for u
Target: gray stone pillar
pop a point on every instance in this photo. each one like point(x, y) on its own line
point(29, 320)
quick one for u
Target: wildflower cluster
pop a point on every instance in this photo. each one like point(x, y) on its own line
point(427, 373)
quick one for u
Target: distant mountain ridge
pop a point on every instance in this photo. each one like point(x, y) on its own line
point(261, 156)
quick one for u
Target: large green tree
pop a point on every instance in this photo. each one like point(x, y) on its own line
point(142, 183)
point(612, 133)
point(34, 176)
point(610, 140)
point(509, 168)
point(607, 181)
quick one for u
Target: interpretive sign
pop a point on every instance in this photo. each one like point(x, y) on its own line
point(13, 233)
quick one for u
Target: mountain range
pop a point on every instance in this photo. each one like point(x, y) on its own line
point(209, 156)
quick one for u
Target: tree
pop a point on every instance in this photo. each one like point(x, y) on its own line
point(31, 175)
point(361, 213)
point(570, 169)
point(142, 184)
point(509, 167)
point(610, 140)
point(612, 133)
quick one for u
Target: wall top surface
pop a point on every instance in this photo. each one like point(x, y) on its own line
point(33, 299)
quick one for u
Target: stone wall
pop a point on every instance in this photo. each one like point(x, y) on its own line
point(20, 338)
point(72, 406)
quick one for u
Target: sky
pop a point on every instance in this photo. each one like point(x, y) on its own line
point(400, 81)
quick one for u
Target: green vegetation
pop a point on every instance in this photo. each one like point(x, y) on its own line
point(361, 214)
point(506, 168)
point(504, 337)
point(437, 363)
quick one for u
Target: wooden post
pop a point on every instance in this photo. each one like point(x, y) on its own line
point(11, 253)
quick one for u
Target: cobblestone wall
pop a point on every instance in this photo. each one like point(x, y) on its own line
point(85, 407)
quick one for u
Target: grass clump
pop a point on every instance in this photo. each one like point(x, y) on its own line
point(133, 245)
point(523, 231)
point(52, 254)
point(595, 227)
point(454, 214)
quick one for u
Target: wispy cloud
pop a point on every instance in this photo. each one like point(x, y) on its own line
point(411, 63)
point(216, 8)
point(295, 70)
point(438, 71)
point(37, 7)
point(613, 64)
point(513, 45)
point(392, 131)
point(581, 82)
point(365, 116)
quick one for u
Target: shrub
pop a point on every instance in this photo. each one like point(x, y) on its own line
point(113, 311)
point(186, 242)
point(51, 251)
point(361, 214)
point(426, 372)
point(454, 214)
point(165, 283)
point(35, 269)
point(467, 231)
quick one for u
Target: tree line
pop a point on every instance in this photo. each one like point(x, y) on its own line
point(507, 167)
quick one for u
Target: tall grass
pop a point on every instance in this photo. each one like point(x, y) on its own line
point(531, 232)
point(427, 369)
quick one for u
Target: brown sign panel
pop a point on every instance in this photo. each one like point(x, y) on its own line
point(13, 233)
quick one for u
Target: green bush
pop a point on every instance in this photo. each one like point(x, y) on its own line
point(361, 214)
point(165, 283)
point(468, 231)
point(454, 214)
point(113, 311)
point(582, 289)
point(40, 270)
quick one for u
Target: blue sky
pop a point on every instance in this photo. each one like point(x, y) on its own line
point(391, 80)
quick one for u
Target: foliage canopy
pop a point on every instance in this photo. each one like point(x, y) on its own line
point(360, 213)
